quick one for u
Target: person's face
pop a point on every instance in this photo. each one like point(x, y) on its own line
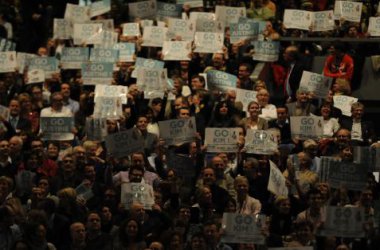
point(282, 115)
point(78, 232)
point(42, 51)
point(80, 154)
point(93, 222)
point(138, 160)
point(184, 113)
point(196, 83)
point(142, 123)
point(325, 111)
point(254, 110)
point(241, 187)
point(65, 90)
point(57, 102)
point(209, 176)
point(89, 173)
point(132, 228)
point(14, 108)
point(243, 72)
point(206, 195)
point(304, 233)
point(111, 126)
point(250, 170)
point(366, 197)
point(37, 145)
point(223, 110)
point(136, 176)
point(52, 151)
point(263, 97)
point(304, 163)
point(343, 136)
point(198, 243)
point(68, 164)
point(133, 90)
point(4, 148)
point(184, 214)
point(347, 154)
point(127, 113)
point(302, 97)
point(219, 165)
point(217, 60)
point(157, 107)
point(37, 93)
point(284, 207)
point(44, 185)
point(156, 246)
point(357, 113)
point(106, 214)
point(15, 145)
point(211, 233)
point(231, 96)
point(175, 242)
point(315, 200)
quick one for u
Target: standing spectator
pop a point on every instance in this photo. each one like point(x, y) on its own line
point(67, 101)
point(339, 64)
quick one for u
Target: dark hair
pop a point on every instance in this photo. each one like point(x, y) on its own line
point(123, 237)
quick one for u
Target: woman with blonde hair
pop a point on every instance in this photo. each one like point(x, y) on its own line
point(254, 121)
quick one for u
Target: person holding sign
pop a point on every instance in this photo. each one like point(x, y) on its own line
point(254, 121)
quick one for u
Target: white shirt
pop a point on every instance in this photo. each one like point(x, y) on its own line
point(356, 132)
point(49, 112)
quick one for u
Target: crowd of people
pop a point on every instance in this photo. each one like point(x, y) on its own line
point(41, 202)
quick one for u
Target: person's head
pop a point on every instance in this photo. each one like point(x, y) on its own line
point(346, 152)
point(36, 144)
point(259, 85)
point(366, 197)
point(326, 110)
point(291, 54)
point(304, 160)
point(136, 173)
point(25, 101)
point(4, 148)
point(352, 31)
point(282, 113)
point(208, 176)
point(219, 165)
point(36, 93)
point(343, 136)
point(56, 100)
point(53, 150)
point(79, 154)
point(245, 70)
point(6, 186)
point(156, 105)
point(142, 123)
point(357, 110)
point(184, 214)
point(137, 211)
point(218, 60)
point(15, 145)
point(254, 109)
point(198, 242)
point(241, 186)
point(78, 233)
point(89, 172)
point(93, 223)
point(14, 107)
point(156, 245)
point(251, 168)
point(314, 198)
point(231, 95)
point(184, 113)
point(197, 82)
point(310, 147)
point(211, 232)
point(302, 96)
point(304, 231)
point(283, 205)
point(42, 51)
point(65, 90)
point(68, 165)
point(138, 159)
point(263, 97)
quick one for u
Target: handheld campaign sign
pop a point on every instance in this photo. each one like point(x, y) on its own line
point(374, 26)
point(344, 103)
point(297, 19)
point(108, 39)
point(184, 29)
point(111, 91)
point(146, 63)
point(57, 128)
point(74, 57)
point(349, 11)
point(191, 3)
point(178, 131)
point(266, 51)
point(166, 10)
point(4, 112)
point(194, 15)
point(154, 36)
point(47, 64)
point(124, 143)
point(8, 62)
point(104, 55)
point(322, 20)
point(142, 10)
point(87, 33)
point(245, 97)
point(243, 31)
point(126, 51)
point(108, 107)
point(151, 80)
point(100, 7)
point(260, 142)
point(229, 14)
point(344, 222)
point(207, 25)
point(62, 29)
point(240, 228)
point(35, 76)
point(131, 29)
point(306, 127)
point(23, 59)
point(137, 192)
point(77, 14)
point(318, 84)
point(97, 73)
point(96, 128)
point(176, 50)
point(220, 80)
point(351, 175)
point(277, 181)
point(222, 140)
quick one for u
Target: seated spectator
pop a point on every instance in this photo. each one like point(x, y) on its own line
point(268, 111)
point(302, 106)
point(339, 64)
point(254, 121)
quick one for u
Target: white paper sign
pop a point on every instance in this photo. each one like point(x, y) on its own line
point(77, 14)
point(318, 84)
point(266, 51)
point(207, 42)
point(297, 19)
point(111, 91)
point(48, 64)
point(146, 63)
point(306, 127)
point(191, 3)
point(344, 222)
point(62, 29)
point(124, 143)
point(277, 181)
point(4, 112)
point(131, 29)
point(100, 7)
point(137, 192)
point(176, 51)
point(166, 10)
point(221, 80)
point(8, 62)
point(243, 31)
point(349, 11)
point(57, 128)
point(152, 81)
point(260, 142)
point(245, 97)
point(374, 26)
point(194, 15)
point(179, 28)
point(222, 140)
point(344, 103)
point(322, 20)
point(74, 57)
point(35, 76)
point(207, 25)
point(104, 55)
point(239, 228)
point(108, 107)
point(178, 131)
point(87, 33)
point(97, 73)
point(144, 9)
point(126, 51)
point(154, 36)
point(229, 14)
point(23, 59)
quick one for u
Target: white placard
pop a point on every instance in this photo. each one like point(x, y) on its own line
point(297, 19)
point(77, 14)
point(111, 91)
point(260, 142)
point(221, 80)
point(176, 51)
point(57, 128)
point(243, 31)
point(100, 7)
point(4, 112)
point(229, 14)
point(207, 25)
point(166, 10)
point(126, 51)
point(62, 29)
point(146, 63)
point(266, 51)
point(131, 29)
point(8, 62)
point(322, 21)
point(104, 55)
point(48, 64)
point(23, 59)
point(208, 42)
point(349, 11)
point(315, 83)
point(277, 181)
point(344, 222)
point(179, 28)
point(35, 76)
point(137, 192)
point(194, 15)
point(178, 131)
point(191, 3)
point(87, 33)
point(154, 36)
point(374, 26)
point(306, 127)
point(152, 80)
point(222, 140)
point(245, 97)
point(74, 57)
point(144, 9)
point(344, 102)
point(97, 73)
point(240, 228)
point(108, 107)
